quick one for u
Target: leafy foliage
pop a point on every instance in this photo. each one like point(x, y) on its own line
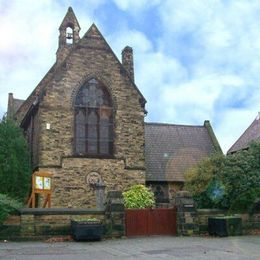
point(138, 197)
point(7, 206)
point(228, 182)
point(14, 161)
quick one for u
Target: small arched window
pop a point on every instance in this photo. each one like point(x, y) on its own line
point(93, 120)
point(69, 35)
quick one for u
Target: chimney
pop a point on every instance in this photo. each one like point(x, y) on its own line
point(128, 61)
point(10, 107)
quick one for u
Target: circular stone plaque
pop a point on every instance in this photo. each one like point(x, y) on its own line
point(93, 178)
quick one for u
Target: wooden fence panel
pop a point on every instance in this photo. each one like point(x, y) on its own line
point(145, 222)
point(162, 222)
point(136, 224)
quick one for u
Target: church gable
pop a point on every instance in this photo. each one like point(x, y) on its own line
point(83, 115)
point(91, 58)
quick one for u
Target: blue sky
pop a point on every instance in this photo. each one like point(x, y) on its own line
point(194, 60)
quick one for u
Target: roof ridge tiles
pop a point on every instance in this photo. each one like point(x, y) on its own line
point(168, 124)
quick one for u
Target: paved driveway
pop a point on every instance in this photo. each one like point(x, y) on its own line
point(157, 247)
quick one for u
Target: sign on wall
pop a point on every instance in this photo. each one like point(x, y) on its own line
point(41, 184)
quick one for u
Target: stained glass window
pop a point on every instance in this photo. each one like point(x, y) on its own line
point(93, 120)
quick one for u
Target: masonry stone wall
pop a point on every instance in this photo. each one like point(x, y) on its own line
point(70, 181)
point(35, 136)
point(91, 58)
point(42, 223)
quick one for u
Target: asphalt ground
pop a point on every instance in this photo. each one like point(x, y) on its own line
point(156, 247)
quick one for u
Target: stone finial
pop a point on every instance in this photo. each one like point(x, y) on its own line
point(128, 61)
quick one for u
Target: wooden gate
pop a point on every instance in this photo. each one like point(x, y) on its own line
point(145, 222)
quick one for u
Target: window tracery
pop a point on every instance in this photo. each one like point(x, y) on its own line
point(93, 120)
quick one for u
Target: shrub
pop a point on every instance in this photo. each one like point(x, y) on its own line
point(229, 182)
point(201, 181)
point(15, 173)
point(245, 201)
point(138, 197)
point(7, 206)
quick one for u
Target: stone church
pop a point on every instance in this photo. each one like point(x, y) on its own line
point(84, 123)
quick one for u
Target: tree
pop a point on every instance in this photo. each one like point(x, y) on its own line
point(229, 182)
point(15, 172)
point(201, 181)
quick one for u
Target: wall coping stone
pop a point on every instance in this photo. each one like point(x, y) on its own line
point(59, 211)
point(213, 211)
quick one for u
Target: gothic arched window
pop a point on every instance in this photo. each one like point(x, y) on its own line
point(93, 120)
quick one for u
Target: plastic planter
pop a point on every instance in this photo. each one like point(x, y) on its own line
point(86, 230)
point(225, 226)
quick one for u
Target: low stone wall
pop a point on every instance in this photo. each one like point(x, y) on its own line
point(43, 223)
point(249, 222)
point(186, 214)
point(204, 214)
point(115, 214)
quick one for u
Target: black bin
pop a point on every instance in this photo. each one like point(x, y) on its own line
point(225, 226)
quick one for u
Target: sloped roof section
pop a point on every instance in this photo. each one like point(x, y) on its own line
point(93, 38)
point(17, 104)
point(13, 105)
point(170, 150)
point(252, 133)
point(25, 106)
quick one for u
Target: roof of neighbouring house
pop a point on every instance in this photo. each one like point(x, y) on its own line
point(17, 104)
point(252, 133)
point(170, 150)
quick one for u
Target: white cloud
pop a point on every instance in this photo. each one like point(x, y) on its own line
point(220, 43)
point(203, 62)
point(135, 5)
point(29, 42)
point(233, 124)
point(126, 37)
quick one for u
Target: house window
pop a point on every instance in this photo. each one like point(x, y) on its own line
point(93, 120)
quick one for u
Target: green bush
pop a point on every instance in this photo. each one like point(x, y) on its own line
point(8, 206)
point(229, 182)
point(15, 172)
point(138, 197)
point(245, 201)
point(201, 181)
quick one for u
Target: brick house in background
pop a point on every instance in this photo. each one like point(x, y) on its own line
point(252, 133)
point(84, 123)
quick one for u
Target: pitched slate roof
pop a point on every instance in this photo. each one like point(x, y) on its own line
point(13, 105)
point(252, 133)
point(17, 104)
point(172, 149)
